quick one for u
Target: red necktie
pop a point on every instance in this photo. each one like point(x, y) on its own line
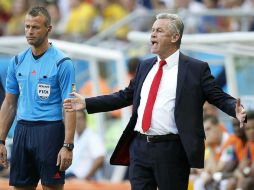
point(146, 122)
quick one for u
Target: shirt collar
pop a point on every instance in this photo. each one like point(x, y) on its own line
point(172, 59)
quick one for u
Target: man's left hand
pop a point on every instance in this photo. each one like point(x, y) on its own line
point(240, 112)
point(64, 159)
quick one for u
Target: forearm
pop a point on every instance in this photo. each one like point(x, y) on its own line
point(7, 114)
point(70, 125)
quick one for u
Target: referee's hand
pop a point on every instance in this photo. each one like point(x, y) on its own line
point(3, 156)
point(64, 159)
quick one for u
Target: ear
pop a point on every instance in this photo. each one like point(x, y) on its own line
point(175, 37)
point(49, 28)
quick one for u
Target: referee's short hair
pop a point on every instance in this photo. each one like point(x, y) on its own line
point(36, 11)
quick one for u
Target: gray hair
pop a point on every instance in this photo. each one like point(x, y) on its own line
point(176, 24)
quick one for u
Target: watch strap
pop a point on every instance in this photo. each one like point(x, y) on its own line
point(69, 146)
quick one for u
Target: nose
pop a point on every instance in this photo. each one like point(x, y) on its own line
point(153, 34)
point(29, 30)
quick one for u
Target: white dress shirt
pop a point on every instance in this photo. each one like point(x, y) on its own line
point(163, 119)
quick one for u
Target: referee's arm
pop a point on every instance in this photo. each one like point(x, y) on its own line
point(70, 126)
point(7, 115)
point(64, 158)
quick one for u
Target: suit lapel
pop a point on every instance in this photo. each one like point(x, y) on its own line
point(182, 69)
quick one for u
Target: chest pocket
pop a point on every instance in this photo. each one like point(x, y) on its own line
point(45, 90)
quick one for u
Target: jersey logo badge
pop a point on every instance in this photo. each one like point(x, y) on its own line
point(43, 91)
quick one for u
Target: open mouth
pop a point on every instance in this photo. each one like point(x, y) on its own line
point(153, 42)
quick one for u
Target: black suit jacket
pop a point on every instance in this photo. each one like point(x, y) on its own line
point(195, 85)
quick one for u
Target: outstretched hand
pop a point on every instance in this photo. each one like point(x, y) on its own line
point(77, 103)
point(240, 112)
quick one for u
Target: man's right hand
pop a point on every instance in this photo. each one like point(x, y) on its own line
point(3, 156)
point(74, 104)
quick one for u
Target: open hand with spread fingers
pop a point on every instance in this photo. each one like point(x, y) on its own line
point(77, 103)
point(240, 112)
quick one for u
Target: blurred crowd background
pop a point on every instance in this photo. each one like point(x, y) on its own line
point(79, 20)
point(229, 159)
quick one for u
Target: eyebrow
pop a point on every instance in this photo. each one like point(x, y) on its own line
point(159, 28)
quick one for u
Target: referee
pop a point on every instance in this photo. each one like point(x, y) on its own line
point(38, 80)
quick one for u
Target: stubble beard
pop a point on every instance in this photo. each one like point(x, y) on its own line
point(39, 41)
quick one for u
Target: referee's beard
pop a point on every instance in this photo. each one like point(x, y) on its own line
point(39, 40)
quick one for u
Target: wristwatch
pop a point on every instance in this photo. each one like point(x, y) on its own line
point(69, 146)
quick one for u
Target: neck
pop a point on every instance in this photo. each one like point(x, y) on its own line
point(41, 49)
point(167, 54)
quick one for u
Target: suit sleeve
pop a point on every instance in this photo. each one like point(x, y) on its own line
point(117, 100)
point(110, 102)
point(214, 94)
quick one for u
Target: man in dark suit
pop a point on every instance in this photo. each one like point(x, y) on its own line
point(161, 155)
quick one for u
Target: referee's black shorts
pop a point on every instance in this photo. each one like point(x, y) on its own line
point(34, 153)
